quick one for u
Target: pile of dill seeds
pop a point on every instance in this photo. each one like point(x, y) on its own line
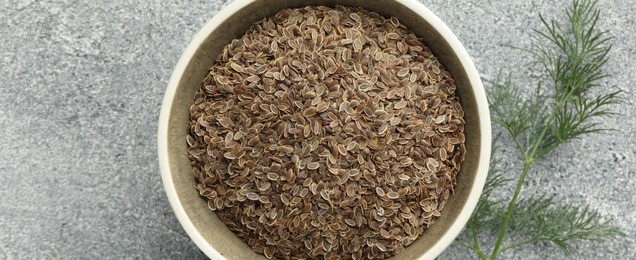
point(327, 133)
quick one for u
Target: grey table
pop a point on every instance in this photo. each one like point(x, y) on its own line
point(81, 84)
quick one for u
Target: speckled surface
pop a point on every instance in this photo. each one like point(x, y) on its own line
point(81, 88)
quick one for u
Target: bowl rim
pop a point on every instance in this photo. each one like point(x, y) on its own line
point(424, 13)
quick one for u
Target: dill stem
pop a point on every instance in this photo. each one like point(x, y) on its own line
point(529, 158)
point(476, 244)
point(511, 206)
point(518, 244)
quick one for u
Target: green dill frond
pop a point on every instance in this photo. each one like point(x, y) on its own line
point(495, 177)
point(574, 120)
point(573, 56)
point(488, 212)
point(522, 117)
point(540, 220)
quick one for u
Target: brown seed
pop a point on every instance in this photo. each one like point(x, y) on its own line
point(413, 77)
point(191, 142)
point(313, 165)
point(272, 176)
point(400, 104)
point(403, 72)
point(406, 161)
point(263, 199)
point(229, 155)
point(393, 36)
point(383, 129)
point(432, 164)
point(254, 141)
point(324, 194)
point(395, 121)
point(352, 145)
point(236, 67)
point(381, 247)
point(309, 112)
point(360, 159)
point(380, 191)
point(308, 244)
point(252, 196)
point(392, 195)
point(404, 177)
point(269, 252)
point(342, 149)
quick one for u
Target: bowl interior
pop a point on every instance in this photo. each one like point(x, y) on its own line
point(232, 24)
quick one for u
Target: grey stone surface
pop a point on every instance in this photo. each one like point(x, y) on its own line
point(81, 84)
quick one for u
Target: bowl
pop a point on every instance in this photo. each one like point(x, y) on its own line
point(202, 225)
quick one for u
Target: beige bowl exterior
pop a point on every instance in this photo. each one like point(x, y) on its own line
point(202, 225)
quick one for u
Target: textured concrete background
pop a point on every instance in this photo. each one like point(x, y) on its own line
point(81, 84)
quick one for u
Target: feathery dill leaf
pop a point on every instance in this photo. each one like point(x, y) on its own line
point(488, 209)
point(523, 118)
point(573, 57)
point(539, 219)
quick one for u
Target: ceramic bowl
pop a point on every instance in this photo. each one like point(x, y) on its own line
point(202, 225)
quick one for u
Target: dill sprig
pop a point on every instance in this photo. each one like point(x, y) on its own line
point(573, 57)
